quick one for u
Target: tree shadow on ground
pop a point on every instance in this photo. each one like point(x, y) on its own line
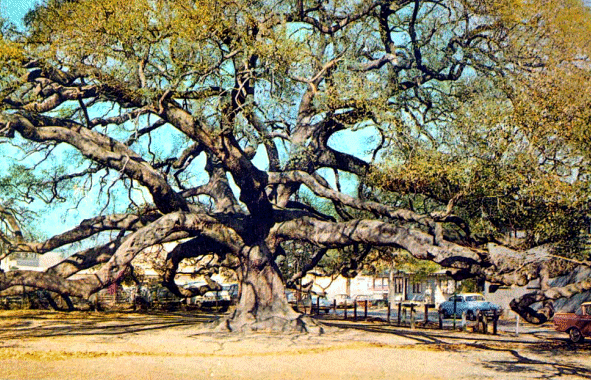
point(545, 358)
point(54, 324)
point(546, 368)
point(539, 358)
point(418, 335)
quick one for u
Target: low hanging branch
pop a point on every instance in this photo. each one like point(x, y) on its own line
point(143, 238)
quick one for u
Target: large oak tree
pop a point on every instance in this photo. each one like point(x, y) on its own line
point(479, 111)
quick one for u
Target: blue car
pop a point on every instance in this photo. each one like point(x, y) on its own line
point(471, 303)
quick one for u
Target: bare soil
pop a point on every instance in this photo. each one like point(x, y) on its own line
point(90, 345)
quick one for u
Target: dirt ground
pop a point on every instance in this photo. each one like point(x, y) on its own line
point(48, 345)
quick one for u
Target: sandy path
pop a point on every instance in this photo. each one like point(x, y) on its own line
point(157, 346)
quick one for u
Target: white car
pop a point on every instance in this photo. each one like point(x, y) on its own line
point(213, 298)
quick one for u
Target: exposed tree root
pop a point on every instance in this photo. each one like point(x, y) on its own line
point(278, 322)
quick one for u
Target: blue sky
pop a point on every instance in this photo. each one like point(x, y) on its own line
point(16, 9)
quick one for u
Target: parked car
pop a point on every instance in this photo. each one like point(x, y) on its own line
point(292, 298)
point(577, 325)
point(417, 302)
point(320, 303)
point(342, 301)
point(470, 303)
point(220, 299)
point(379, 299)
point(296, 299)
point(307, 301)
point(417, 299)
point(233, 292)
point(362, 299)
point(296, 296)
point(149, 296)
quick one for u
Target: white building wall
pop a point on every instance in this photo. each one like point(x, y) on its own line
point(437, 286)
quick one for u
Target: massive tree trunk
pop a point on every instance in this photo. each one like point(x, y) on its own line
point(263, 303)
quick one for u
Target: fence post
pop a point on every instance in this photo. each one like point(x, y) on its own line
point(399, 312)
point(317, 305)
point(455, 309)
point(482, 319)
point(412, 316)
point(345, 309)
point(388, 315)
point(334, 306)
point(495, 320)
point(426, 314)
point(440, 320)
point(365, 308)
point(355, 311)
point(464, 323)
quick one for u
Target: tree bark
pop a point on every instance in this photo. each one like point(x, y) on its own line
point(263, 304)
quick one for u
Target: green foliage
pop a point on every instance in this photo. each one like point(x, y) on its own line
point(469, 286)
point(420, 268)
point(511, 151)
point(494, 196)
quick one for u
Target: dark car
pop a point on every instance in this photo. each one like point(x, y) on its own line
point(471, 303)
